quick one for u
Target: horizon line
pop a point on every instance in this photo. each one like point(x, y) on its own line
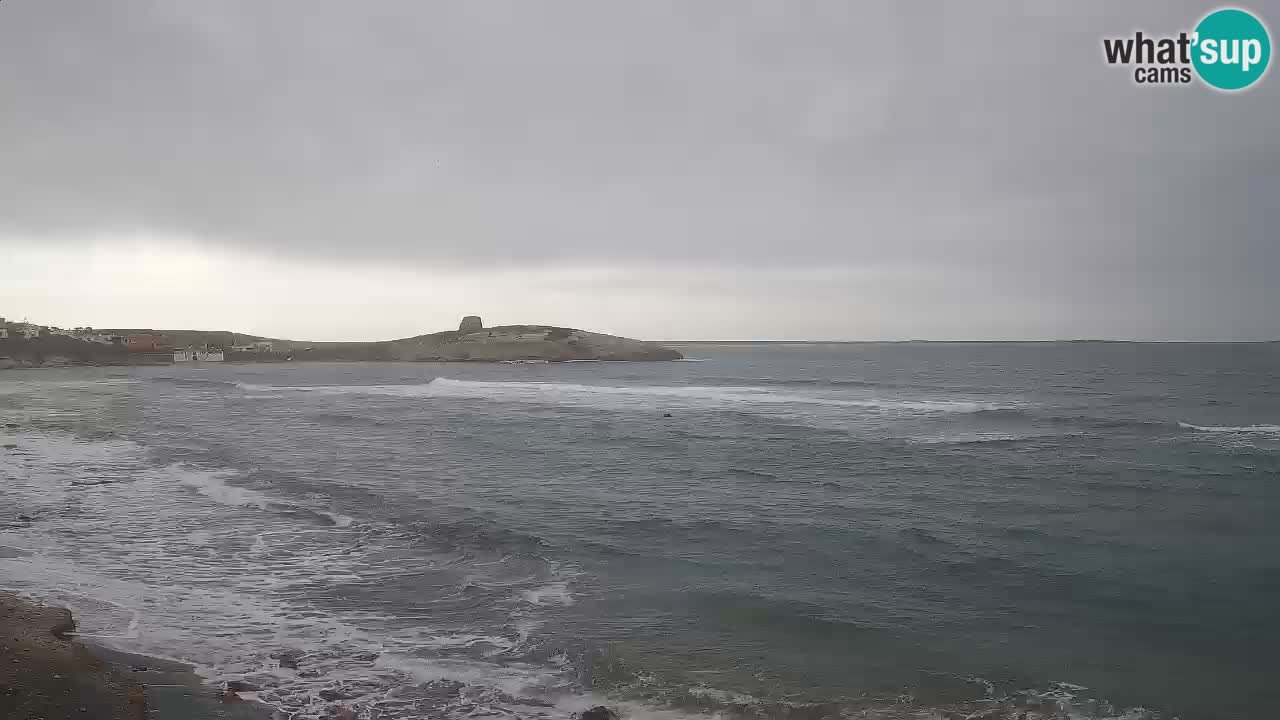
point(971, 341)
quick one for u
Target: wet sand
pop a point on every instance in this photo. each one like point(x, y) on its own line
point(46, 673)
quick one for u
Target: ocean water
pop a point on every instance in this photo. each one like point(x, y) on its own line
point(1077, 530)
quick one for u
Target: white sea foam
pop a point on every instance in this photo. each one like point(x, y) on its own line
point(213, 485)
point(1231, 429)
point(170, 564)
point(516, 680)
point(339, 520)
point(556, 593)
point(647, 395)
point(975, 438)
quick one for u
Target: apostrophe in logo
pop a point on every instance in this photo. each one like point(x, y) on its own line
point(1229, 49)
point(1232, 49)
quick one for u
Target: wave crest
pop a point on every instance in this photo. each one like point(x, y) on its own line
point(698, 396)
point(1267, 429)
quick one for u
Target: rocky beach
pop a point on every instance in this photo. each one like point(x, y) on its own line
point(45, 672)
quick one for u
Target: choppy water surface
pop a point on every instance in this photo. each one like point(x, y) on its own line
point(880, 531)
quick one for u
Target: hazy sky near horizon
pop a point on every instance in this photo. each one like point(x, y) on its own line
point(662, 169)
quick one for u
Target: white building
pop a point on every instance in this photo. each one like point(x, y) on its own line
point(259, 346)
point(30, 331)
point(4, 332)
point(202, 355)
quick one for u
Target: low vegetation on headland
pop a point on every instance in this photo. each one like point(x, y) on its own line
point(25, 345)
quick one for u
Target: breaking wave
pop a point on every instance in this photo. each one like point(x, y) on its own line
point(653, 395)
point(213, 485)
point(191, 381)
point(1268, 429)
point(192, 561)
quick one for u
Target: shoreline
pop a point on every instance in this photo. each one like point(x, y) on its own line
point(46, 671)
point(239, 363)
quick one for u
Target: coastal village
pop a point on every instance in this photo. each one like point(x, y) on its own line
point(141, 348)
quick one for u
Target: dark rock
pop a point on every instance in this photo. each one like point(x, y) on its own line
point(289, 659)
point(63, 624)
point(332, 694)
point(812, 710)
point(598, 712)
point(242, 686)
point(438, 690)
point(25, 518)
point(530, 702)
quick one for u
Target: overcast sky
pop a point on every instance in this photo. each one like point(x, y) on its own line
point(667, 170)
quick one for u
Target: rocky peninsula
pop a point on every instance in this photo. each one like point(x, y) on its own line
point(474, 342)
point(471, 342)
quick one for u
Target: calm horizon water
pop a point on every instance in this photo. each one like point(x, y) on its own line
point(764, 530)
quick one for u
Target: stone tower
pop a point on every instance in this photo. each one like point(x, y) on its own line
point(470, 324)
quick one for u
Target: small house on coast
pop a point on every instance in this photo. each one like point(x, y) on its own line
point(262, 346)
point(205, 354)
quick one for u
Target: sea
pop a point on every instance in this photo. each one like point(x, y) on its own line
point(802, 530)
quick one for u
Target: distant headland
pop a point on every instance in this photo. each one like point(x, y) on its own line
point(27, 345)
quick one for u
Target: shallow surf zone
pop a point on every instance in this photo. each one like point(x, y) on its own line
point(972, 698)
point(310, 606)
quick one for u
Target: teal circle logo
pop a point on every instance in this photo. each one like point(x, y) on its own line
point(1232, 49)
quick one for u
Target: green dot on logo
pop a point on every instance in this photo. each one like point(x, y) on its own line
point(1232, 49)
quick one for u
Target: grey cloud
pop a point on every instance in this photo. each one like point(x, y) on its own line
point(990, 140)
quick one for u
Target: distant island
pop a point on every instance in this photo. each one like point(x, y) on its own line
point(26, 345)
